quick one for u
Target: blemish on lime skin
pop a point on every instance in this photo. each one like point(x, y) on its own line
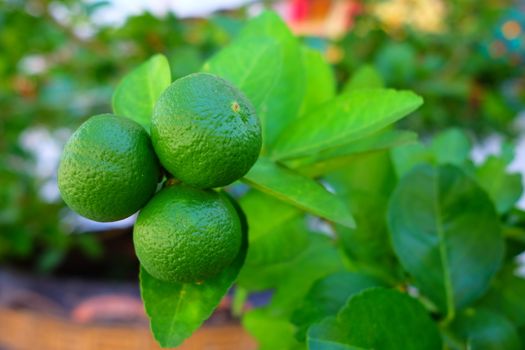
point(235, 107)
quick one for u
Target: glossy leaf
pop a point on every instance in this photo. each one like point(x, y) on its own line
point(265, 213)
point(176, 310)
point(273, 225)
point(265, 63)
point(336, 158)
point(350, 116)
point(251, 65)
point(138, 91)
point(486, 330)
point(298, 190)
point(377, 318)
point(328, 295)
point(446, 233)
point(320, 80)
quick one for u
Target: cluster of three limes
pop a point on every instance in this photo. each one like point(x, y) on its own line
point(205, 133)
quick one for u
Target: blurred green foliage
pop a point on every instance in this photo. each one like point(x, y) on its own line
point(468, 74)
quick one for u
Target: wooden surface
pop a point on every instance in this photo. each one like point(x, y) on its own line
point(27, 330)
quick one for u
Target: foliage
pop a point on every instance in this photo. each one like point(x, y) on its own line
point(367, 237)
point(469, 74)
point(352, 223)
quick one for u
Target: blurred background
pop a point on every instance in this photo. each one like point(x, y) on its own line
point(61, 60)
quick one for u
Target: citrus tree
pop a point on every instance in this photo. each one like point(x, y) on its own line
point(367, 238)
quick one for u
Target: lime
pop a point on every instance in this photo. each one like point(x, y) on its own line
point(205, 131)
point(186, 234)
point(108, 168)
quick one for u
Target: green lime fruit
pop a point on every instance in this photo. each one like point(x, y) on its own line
point(186, 234)
point(108, 169)
point(205, 131)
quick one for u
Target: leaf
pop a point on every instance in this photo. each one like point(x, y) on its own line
point(485, 330)
point(406, 157)
point(346, 118)
point(265, 213)
point(292, 280)
point(366, 184)
point(451, 147)
point(265, 63)
point(377, 318)
point(273, 224)
point(320, 80)
point(505, 189)
point(319, 258)
point(328, 295)
point(298, 190)
point(271, 332)
point(138, 91)
point(506, 296)
point(446, 233)
point(335, 158)
point(176, 310)
point(366, 77)
point(251, 65)
point(326, 335)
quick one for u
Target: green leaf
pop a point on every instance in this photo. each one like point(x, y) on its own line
point(346, 118)
point(298, 190)
point(273, 224)
point(366, 184)
point(292, 280)
point(335, 158)
point(446, 233)
point(265, 213)
point(265, 63)
point(366, 77)
point(485, 330)
point(328, 295)
point(319, 258)
point(377, 318)
point(506, 296)
point(326, 335)
point(505, 189)
point(320, 80)
point(176, 310)
point(451, 147)
point(271, 332)
point(138, 91)
point(251, 65)
point(406, 157)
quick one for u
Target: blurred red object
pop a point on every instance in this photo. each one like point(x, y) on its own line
point(326, 18)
